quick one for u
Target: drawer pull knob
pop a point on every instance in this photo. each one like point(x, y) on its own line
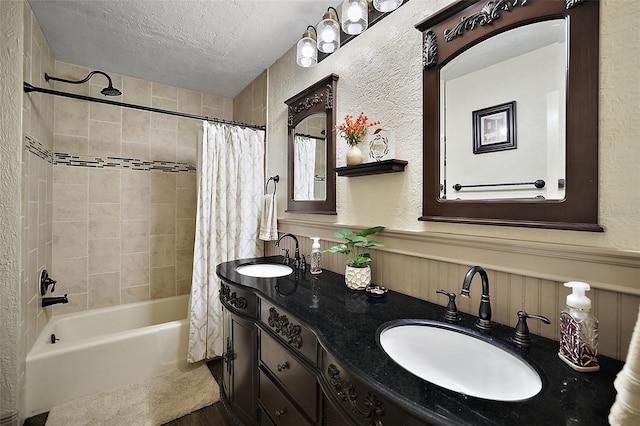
point(280, 413)
point(282, 367)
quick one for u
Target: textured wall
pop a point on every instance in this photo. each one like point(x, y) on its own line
point(381, 74)
point(11, 40)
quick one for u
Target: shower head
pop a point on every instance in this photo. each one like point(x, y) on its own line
point(111, 91)
point(107, 91)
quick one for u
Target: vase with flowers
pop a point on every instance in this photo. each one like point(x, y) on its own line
point(354, 132)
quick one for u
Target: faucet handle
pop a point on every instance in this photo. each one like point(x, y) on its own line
point(521, 337)
point(452, 311)
point(287, 259)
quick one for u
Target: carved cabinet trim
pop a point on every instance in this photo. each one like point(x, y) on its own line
point(373, 410)
point(281, 325)
point(226, 295)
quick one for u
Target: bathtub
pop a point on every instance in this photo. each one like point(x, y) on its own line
point(105, 348)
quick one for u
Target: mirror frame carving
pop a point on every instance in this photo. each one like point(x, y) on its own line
point(462, 25)
point(319, 97)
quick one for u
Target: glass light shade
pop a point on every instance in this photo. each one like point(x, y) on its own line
point(386, 5)
point(355, 16)
point(328, 33)
point(306, 51)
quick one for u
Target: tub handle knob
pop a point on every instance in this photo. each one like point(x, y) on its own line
point(45, 282)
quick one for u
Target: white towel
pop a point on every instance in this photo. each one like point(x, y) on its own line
point(626, 408)
point(268, 221)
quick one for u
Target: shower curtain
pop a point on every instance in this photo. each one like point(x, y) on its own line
point(230, 191)
point(305, 166)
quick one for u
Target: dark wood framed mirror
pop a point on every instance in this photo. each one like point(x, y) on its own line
point(478, 55)
point(311, 186)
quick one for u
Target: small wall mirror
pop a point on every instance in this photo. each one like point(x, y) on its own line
point(511, 114)
point(311, 157)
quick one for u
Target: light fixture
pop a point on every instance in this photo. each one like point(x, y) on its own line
point(328, 31)
point(307, 50)
point(386, 5)
point(355, 16)
point(107, 91)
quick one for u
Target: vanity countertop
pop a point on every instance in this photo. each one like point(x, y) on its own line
point(345, 322)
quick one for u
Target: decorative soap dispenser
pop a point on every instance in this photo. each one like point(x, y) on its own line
point(579, 330)
point(316, 256)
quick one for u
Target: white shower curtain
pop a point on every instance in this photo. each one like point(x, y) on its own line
point(230, 191)
point(305, 166)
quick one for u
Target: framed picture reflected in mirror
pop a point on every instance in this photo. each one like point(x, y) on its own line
point(494, 128)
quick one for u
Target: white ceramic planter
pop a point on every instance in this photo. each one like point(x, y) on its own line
point(357, 278)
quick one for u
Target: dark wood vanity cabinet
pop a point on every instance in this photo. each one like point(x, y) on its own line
point(277, 374)
point(240, 359)
point(289, 391)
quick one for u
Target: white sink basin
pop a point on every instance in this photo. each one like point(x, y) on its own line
point(451, 357)
point(264, 270)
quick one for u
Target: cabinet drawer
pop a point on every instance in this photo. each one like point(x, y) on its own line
point(289, 330)
point(238, 300)
point(298, 381)
point(357, 401)
point(280, 409)
point(264, 418)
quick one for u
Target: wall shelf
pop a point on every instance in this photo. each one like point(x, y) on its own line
point(379, 167)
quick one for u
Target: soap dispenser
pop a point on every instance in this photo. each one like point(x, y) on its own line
point(579, 330)
point(316, 256)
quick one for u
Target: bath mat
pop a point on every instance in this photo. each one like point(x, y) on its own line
point(149, 402)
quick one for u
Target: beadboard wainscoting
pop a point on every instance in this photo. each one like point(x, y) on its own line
point(522, 275)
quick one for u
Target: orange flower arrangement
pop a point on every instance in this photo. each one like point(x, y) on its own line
point(354, 131)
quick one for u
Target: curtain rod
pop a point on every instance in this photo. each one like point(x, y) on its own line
point(30, 88)
point(321, 138)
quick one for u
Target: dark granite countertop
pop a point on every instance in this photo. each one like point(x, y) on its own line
point(345, 322)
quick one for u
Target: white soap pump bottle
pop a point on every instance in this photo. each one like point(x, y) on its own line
point(579, 330)
point(316, 256)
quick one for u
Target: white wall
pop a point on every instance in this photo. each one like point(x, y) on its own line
point(381, 74)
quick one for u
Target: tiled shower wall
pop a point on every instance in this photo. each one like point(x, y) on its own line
point(250, 105)
point(123, 229)
point(37, 185)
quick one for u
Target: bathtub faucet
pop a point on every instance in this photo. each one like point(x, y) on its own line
point(48, 301)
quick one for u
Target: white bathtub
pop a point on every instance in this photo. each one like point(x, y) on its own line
point(105, 348)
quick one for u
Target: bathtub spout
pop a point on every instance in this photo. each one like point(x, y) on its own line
point(48, 301)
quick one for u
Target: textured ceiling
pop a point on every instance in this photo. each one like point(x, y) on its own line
point(211, 46)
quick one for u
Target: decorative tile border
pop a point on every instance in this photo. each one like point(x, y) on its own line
point(58, 158)
point(35, 147)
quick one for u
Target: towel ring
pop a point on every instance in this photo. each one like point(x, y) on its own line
point(275, 180)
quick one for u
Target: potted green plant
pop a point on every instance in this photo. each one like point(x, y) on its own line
point(358, 271)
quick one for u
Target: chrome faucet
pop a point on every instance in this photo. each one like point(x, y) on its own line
point(296, 257)
point(484, 320)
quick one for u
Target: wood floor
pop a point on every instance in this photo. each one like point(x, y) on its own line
point(213, 415)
